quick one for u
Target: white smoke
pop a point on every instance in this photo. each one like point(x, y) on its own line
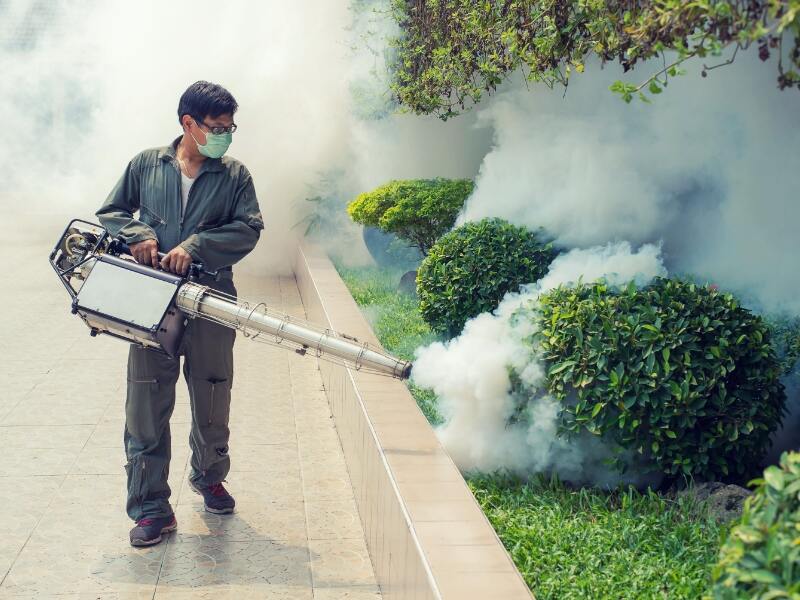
point(90, 84)
point(711, 169)
point(471, 376)
point(616, 263)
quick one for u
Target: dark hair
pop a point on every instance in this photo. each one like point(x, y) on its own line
point(202, 99)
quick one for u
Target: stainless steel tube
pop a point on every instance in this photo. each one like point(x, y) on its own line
point(196, 300)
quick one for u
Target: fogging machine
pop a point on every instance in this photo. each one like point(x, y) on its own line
point(116, 296)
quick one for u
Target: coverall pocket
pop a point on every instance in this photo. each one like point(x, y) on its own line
point(150, 216)
point(212, 400)
point(147, 480)
point(134, 468)
point(219, 411)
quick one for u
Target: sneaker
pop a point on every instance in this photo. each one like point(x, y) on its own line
point(148, 531)
point(215, 497)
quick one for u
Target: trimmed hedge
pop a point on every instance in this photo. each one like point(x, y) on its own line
point(469, 270)
point(680, 373)
point(761, 556)
point(418, 211)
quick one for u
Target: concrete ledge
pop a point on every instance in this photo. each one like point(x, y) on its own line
point(427, 537)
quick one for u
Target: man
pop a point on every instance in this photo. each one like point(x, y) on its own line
point(194, 205)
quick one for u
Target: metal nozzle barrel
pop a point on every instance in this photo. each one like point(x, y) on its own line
point(198, 300)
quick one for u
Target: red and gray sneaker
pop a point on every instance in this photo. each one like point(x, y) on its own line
point(148, 531)
point(215, 497)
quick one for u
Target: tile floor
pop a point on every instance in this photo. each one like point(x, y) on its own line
point(296, 533)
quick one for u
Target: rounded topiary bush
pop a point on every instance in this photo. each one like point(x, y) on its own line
point(416, 210)
point(677, 372)
point(761, 555)
point(469, 270)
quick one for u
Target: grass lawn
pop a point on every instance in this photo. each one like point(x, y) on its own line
point(567, 543)
point(395, 320)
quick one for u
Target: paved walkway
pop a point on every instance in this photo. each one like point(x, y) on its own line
point(63, 529)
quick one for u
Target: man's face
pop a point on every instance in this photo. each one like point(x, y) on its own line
point(199, 129)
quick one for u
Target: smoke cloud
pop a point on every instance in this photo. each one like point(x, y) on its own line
point(710, 169)
point(94, 83)
point(470, 374)
point(91, 84)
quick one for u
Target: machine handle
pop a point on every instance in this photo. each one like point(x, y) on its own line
point(195, 269)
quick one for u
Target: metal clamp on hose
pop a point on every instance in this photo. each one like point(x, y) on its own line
point(190, 296)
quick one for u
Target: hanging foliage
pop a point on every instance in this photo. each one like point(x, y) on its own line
point(452, 52)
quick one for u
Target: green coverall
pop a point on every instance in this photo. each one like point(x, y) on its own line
point(221, 225)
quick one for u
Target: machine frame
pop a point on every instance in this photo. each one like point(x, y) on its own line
point(74, 259)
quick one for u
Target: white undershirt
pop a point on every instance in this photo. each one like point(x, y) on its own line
point(186, 185)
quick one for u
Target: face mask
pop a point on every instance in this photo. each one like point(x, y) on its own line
point(216, 144)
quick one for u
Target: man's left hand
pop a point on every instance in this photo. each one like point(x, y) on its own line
point(177, 261)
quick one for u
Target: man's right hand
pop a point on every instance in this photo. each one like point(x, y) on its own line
point(145, 252)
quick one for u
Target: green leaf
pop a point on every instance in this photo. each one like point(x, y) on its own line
point(654, 88)
point(793, 488)
point(764, 576)
point(774, 477)
point(774, 594)
point(562, 367)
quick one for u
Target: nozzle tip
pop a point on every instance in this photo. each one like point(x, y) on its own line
point(406, 373)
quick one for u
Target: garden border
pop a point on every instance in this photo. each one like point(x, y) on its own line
point(427, 536)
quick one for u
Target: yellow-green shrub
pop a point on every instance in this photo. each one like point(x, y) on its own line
point(419, 211)
point(760, 559)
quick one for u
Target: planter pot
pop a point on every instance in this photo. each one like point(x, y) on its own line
point(408, 283)
point(378, 243)
point(388, 250)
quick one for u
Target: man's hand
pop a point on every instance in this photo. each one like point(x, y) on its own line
point(145, 252)
point(177, 260)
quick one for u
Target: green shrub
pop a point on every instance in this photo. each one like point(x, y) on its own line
point(761, 556)
point(418, 211)
point(470, 269)
point(786, 340)
point(677, 372)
